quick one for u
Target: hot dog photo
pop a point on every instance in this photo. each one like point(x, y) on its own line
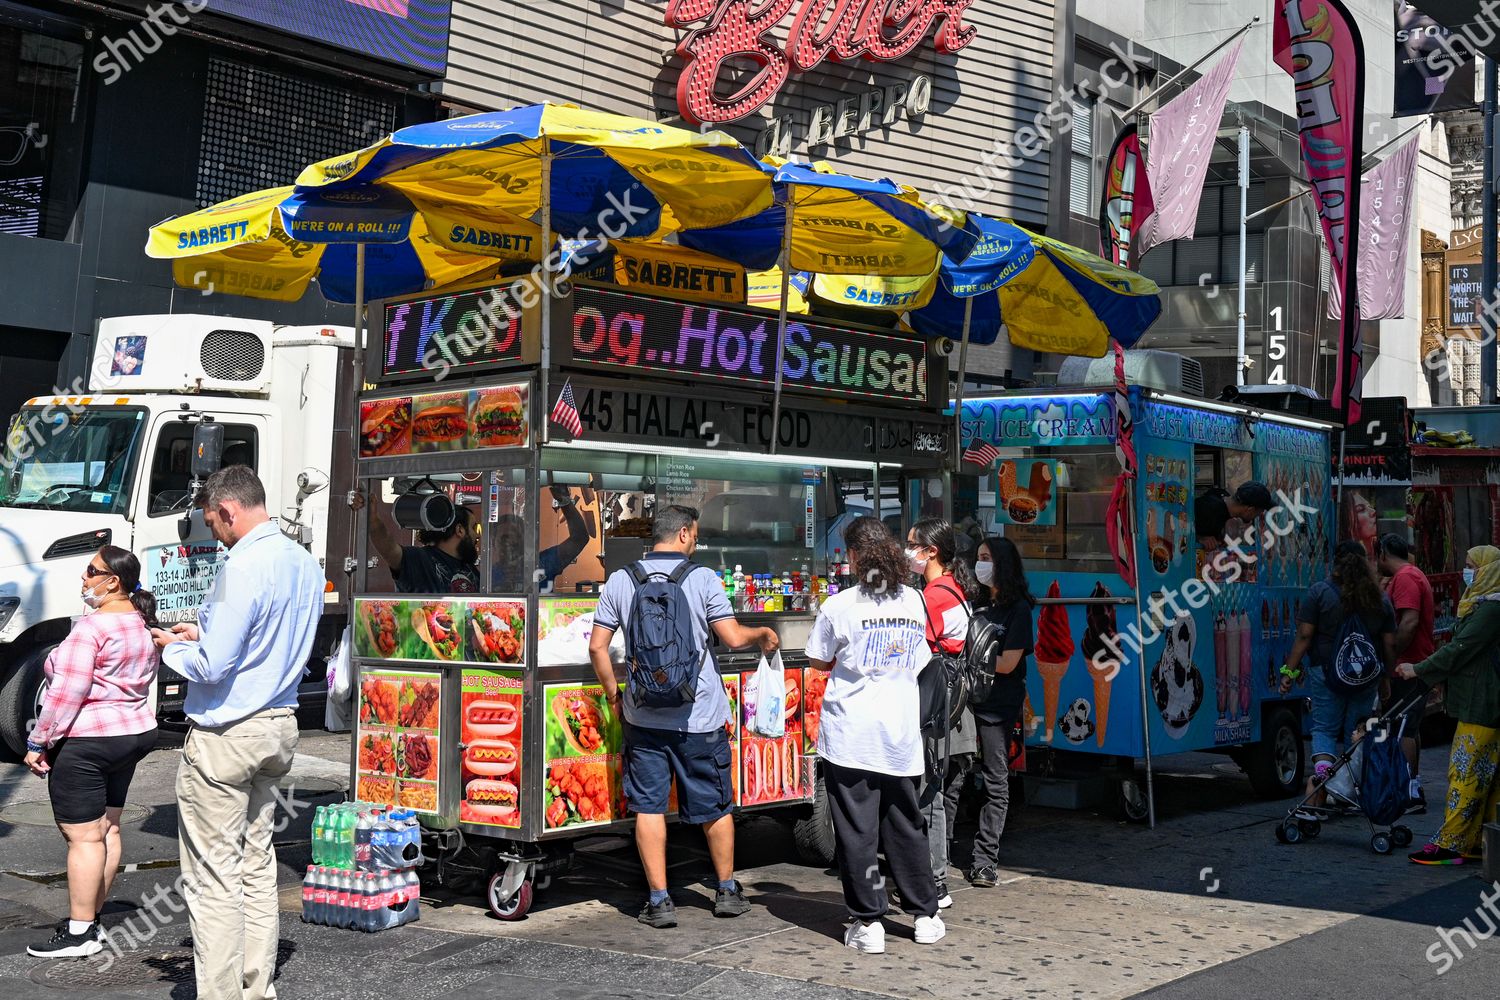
point(497, 417)
point(490, 735)
point(385, 427)
point(440, 422)
point(772, 769)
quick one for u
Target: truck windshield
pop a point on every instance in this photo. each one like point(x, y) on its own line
point(82, 460)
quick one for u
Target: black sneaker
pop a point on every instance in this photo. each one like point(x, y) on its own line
point(984, 877)
point(65, 945)
point(731, 902)
point(663, 914)
point(945, 899)
point(1418, 805)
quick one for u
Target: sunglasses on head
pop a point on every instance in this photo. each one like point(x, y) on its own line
point(92, 571)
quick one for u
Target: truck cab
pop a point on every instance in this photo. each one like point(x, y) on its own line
point(110, 463)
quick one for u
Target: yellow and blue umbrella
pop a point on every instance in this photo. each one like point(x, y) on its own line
point(272, 244)
point(588, 172)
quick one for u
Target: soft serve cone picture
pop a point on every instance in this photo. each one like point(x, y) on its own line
point(1100, 642)
point(1054, 648)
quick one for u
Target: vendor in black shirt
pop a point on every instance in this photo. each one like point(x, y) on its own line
point(1214, 509)
point(443, 564)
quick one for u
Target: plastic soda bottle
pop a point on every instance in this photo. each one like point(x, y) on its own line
point(738, 580)
point(347, 819)
point(364, 828)
point(413, 911)
point(317, 834)
point(374, 903)
point(309, 890)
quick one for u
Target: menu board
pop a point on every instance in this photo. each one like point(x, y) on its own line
point(771, 768)
point(396, 744)
point(814, 683)
point(732, 727)
point(676, 479)
point(492, 736)
point(459, 630)
point(583, 784)
point(460, 420)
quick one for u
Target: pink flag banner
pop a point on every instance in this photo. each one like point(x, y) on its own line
point(1386, 196)
point(1317, 44)
point(1177, 153)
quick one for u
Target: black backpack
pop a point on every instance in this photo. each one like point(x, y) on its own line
point(663, 656)
point(946, 684)
point(1357, 664)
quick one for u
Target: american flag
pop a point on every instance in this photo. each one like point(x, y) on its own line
point(980, 452)
point(565, 413)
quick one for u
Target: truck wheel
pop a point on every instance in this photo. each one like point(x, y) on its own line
point(1276, 765)
point(21, 698)
point(813, 834)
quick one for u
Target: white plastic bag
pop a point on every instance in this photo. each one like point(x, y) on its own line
point(338, 715)
point(770, 697)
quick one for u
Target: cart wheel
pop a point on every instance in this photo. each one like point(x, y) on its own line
point(1132, 801)
point(1281, 834)
point(1310, 828)
point(513, 908)
point(1381, 843)
point(1275, 764)
point(1291, 833)
point(813, 834)
point(1401, 836)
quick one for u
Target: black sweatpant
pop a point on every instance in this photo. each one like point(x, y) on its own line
point(873, 811)
point(994, 763)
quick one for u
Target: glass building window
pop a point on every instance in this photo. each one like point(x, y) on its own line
point(42, 130)
point(1081, 161)
point(1212, 256)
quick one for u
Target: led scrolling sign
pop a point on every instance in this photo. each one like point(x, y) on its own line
point(736, 31)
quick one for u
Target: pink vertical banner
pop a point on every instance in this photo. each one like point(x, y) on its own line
point(1317, 44)
point(1387, 196)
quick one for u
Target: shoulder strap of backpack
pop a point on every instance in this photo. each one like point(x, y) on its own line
point(680, 573)
point(958, 594)
point(639, 573)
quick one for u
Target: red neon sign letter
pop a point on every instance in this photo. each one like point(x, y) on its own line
point(878, 30)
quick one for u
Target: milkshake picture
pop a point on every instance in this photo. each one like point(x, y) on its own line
point(1221, 665)
point(1054, 648)
point(1265, 620)
point(1245, 665)
point(1100, 657)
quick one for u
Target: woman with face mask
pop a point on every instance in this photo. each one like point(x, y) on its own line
point(1467, 665)
point(948, 585)
point(95, 726)
point(1008, 606)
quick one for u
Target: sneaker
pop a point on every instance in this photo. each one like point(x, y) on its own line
point(865, 938)
point(945, 900)
point(1417, 804)
point(930, 930)
point(64, 945)
point(1432, 854)
point(731, 903)
point(663, 914)
point(984, 877)
point(1311, 814)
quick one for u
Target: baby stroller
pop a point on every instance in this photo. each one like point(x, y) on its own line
point(1376, 785)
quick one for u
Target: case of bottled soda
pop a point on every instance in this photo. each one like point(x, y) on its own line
point(363, 873)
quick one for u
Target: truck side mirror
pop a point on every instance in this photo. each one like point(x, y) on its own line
point(191, 525)
point(208, 449)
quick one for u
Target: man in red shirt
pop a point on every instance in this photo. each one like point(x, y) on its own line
point(1411, 594)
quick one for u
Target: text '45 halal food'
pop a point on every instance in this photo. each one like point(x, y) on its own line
point(384, 428)
point(494, 802)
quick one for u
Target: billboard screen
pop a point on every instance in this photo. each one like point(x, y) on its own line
point(412, 33)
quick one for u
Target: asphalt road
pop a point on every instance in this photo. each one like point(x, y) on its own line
point(1206, 905)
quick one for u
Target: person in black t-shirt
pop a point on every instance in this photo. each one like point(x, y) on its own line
point(1001, 573)
point(1214, 509)
point(443, 564)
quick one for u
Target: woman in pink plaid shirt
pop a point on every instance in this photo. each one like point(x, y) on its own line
point(95, 726)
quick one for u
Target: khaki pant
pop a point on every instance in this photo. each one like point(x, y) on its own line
point(226, 815)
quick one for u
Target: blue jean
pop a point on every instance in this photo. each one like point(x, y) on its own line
point(1335, 716)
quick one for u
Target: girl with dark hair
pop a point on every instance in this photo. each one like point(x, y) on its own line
point(1349, 591)
point(948, 585)
point(95, 726)
point(871, 637)
point(1008, 608)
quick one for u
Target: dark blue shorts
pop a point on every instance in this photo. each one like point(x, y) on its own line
point(699, 761)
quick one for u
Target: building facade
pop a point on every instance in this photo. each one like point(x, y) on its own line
point(114, 117)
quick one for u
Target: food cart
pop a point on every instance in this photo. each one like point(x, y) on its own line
point(1188, 658)
point(481, 710)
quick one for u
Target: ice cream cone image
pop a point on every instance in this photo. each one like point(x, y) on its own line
point(1054, 648)
point(1007, 480)
point(1101, 654)
point(1029, 721)
point(1041, 484)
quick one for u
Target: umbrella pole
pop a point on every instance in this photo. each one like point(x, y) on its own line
point(356, 548)
point(786, 288)
point(546, 373)
point(958, 395)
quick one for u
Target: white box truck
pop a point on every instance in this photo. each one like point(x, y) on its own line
point(112, 463)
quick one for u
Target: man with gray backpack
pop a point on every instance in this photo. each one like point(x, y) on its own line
point(674, 705)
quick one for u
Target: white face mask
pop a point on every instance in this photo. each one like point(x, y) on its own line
point(90, 599)
point(985, 572)
point(1468, 577)
point(917, 560)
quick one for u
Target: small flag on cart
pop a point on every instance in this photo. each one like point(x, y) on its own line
point(565, 413)
point(980, 453)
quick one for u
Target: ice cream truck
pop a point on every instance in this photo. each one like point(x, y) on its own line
point(1187, 657)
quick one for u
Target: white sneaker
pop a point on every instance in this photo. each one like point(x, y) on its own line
point(930, 930)
point(867, 939)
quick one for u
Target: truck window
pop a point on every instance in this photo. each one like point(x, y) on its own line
point(79, 459)
point(170, 463)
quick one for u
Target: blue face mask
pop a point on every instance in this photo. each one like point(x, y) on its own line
point(1468, 577)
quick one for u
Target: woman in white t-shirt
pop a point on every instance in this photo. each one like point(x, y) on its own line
point(873, 639)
